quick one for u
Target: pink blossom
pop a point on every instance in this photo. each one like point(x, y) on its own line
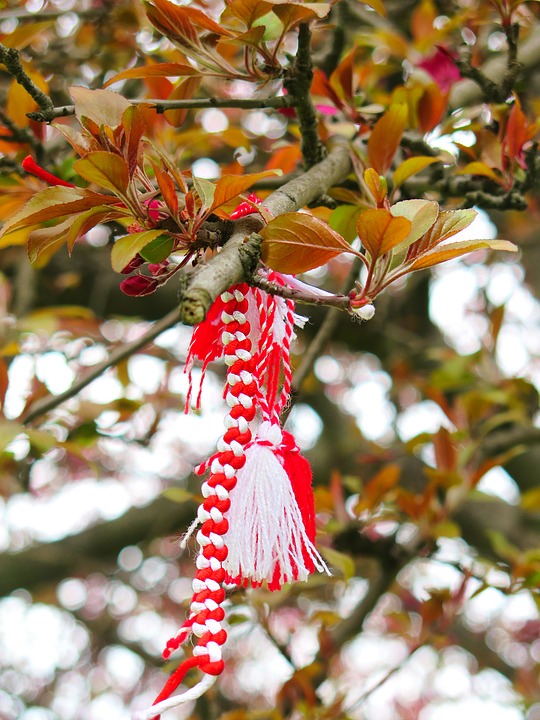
point(442, 68)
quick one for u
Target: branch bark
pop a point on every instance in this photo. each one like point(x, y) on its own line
point(229, 266)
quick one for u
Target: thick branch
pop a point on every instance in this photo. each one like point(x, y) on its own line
point(46, 115)
point(229, 266)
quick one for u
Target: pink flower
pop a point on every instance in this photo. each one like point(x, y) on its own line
point(442, 68)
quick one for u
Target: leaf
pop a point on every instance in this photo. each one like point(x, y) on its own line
point(87, 220)
point(158, 250)
point(230, 186)
point(53, 203)
point(157, 70)
point(411, 166)
point(19, 102)
point(125, 248)
point(376, 185)
point(205, 190)
point(379, 231)
point(339, 561)
point(44, 242)
point(248, 11)
point(480, 168)
point(298, 242)
point(103, 107)
point(457, 249)
point(167, 188)
point(105, 169)
point(421, 213)
point(291, 14)
point(448, 223)
point(134, 127)
point(186, 89)
point(178, 495)
point(385, 137)
point(343, 220)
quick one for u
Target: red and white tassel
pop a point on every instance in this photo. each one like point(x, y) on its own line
point(257, 519)
point(270, 539)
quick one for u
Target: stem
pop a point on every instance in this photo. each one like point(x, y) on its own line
point(46, 115)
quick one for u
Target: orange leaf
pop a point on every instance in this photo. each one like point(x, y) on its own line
point(291, 14)
point(248, 11)
point(285, 158)
point(447, 224)
point(457, 249)
point(385, 137)
point(230, 186)
point(376, 5)
point(105, 169)
point(186, 89)
point(297, 242)
point(480, 168)
point(160, 70)
point(53, 203)
point(167, 188)
point(379, 231)
point(376, 184)
point(411, 166)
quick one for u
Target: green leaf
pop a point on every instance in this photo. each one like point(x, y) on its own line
point(343, 220)
point(178, 495)
point(339, 561)
point(205, 190)
point(422, 214)
point(158, 250)
point(125, 248)
point(105, 169)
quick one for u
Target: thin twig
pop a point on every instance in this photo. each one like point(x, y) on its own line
point(333, 301)
point(162, 106)
point(49, 403)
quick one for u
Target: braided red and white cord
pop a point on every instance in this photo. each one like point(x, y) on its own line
point(206, 611)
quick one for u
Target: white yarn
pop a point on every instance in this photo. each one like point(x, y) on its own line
point(265, 523)
point(195, 692)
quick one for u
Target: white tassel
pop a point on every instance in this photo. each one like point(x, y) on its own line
point(266, 529)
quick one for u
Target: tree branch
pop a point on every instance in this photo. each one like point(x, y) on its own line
point(52, 401)
point(297, 82)
point(10, 58)
point(285, 101)
point(228, 267)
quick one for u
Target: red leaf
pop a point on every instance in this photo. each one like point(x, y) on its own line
point(385, 138)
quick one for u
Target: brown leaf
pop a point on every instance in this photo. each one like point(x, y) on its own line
point(297, 242)
point(134, 128)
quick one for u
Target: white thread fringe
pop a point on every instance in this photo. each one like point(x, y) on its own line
point(266, 528)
